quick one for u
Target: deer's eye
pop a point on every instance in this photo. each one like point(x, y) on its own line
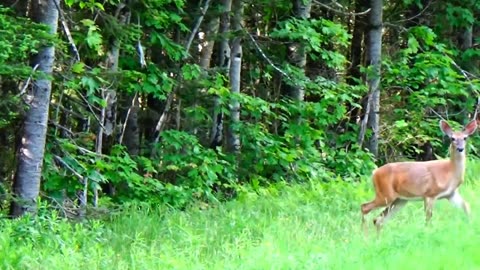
point(452, 138)
point(465, 138)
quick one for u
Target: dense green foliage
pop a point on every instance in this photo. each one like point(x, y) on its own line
point(427, 73)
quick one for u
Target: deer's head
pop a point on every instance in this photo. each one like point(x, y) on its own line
point(458, 138)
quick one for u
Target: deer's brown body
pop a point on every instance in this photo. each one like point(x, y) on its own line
point(397, 183)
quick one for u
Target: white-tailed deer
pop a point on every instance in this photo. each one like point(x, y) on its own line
point(397, 183)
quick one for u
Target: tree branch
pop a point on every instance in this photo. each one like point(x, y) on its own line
point(126, 118)
point(363, 126)
point(340, 11)
point(268, 59)
point(59, 159)
point(61, 127)
point(68, 33)
point(27, 83)
point(467, 76)
point(414, 16)
point(197, 25)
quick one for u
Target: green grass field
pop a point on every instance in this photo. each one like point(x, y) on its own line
point(301, 227)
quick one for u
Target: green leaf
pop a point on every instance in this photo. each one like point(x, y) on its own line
point(401, 124)
point(78, 67)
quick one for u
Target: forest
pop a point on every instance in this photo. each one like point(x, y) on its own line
point(232, 134)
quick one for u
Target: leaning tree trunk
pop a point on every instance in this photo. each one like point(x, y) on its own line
point(26, 185)
point(235, 76)
point(373, 77)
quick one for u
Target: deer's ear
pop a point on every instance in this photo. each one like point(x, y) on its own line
point(445, 127)
point(470, 127)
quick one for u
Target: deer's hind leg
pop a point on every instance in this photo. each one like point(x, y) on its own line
point(388, 212)
point(369, 206)
point(428, 206)
point(379, 201)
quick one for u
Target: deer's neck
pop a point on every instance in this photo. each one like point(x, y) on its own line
point(458, 161)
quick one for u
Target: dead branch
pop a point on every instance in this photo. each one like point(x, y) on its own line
point(27, 83)
point(67, 32)
point(363, 127)
point(84, 150)
point(329, 7)
point(59, 159)
point(467, 75)
point(73, 113)
point(126, 118)
point(414, 16)
point(476, 108)
point(436, 113)
point(60, 205)
point(61, 127)
point(91, 107)
point(267, 58)
point(163, 118)
point(197, 25)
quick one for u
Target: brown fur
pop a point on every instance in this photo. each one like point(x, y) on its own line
point(397, 183)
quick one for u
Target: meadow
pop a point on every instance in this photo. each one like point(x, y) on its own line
point(308, 226)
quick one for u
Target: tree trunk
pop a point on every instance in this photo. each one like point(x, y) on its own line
point(297, 56)
point(356, 48)
point(108, 119)
point(319, 68)
point(235, 76)
point(466, 42)
point(356, 56)
point(26, 185)
point(109, 114)
point(373, 76)
point(297, 53)
point(224, 63)
point(206, 46)
point(208, 43)
point(112, 65)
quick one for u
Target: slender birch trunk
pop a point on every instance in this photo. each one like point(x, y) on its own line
point(235, 76)
point(26, 185)
point(224, 63)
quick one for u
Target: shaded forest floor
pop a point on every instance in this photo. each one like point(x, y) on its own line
point(315, 226)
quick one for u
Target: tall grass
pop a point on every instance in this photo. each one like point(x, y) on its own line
point(315, 226)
